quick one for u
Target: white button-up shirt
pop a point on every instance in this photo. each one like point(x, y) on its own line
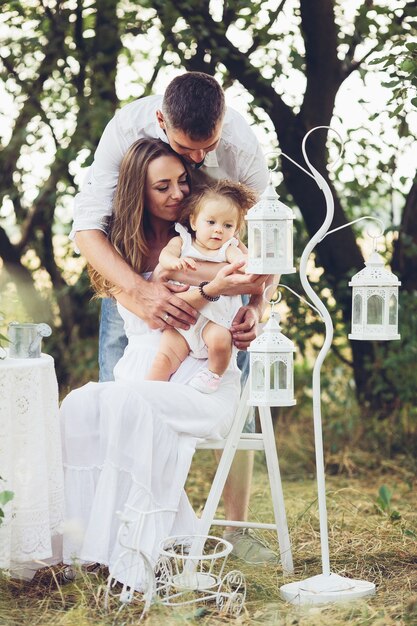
point(238, 157)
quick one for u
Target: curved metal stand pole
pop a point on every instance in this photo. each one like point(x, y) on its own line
point(318, 436)
point(325, 587)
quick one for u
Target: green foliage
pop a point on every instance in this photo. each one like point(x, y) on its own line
point(383, 502)
point(3, 338)
point(400, 65)
point(395, 425)
point(5, 497)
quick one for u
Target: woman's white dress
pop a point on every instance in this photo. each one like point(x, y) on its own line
point(128, 445)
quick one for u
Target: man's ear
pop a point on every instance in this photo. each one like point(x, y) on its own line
point(160, 118)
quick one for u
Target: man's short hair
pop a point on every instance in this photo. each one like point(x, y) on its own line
point(194, 103)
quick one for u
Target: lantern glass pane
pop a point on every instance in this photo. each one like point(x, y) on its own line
point(257, 243)
point(278, 376)
point(272, 242)
point(273, 377)
point(282, 375)
point(289, 240)
point(258, 376)
point(357, 309)
point(375, 309)
point(392, 316)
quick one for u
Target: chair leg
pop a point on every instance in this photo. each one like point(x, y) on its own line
point(277, 494)
point(216, 489)
point(223, 469)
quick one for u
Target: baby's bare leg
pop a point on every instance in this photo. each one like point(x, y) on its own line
point(219, 344)
point(173, 350)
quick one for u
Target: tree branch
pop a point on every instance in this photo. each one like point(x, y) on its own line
point(258, 36)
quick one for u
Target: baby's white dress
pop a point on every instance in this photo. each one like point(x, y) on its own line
point(128, 445)
point(221, 311)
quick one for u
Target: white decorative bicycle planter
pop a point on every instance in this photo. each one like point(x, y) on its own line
point(180, 577)
point(185, 578)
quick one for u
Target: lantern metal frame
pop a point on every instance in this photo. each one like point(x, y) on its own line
point(374, 301)
point(270, 235)
point(327, 586)
point(273, 352)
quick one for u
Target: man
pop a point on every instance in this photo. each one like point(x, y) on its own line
point(193, 119)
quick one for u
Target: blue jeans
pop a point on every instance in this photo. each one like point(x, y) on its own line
point(112, 342)
point(112, 339)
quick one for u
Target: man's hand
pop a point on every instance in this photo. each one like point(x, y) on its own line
point(159, 307)
point(244, 327)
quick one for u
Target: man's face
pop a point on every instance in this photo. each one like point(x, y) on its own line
point(194, 152)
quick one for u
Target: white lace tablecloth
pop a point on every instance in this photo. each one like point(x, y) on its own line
point(30, 464)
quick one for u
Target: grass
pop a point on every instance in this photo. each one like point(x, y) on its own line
point(370, 539)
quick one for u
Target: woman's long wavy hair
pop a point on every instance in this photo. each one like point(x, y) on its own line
point(128, 224)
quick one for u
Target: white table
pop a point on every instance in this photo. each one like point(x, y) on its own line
point(30, 464)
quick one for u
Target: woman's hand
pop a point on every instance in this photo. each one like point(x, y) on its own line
point(230, 282)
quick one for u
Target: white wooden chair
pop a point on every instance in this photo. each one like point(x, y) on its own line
point(237, 440)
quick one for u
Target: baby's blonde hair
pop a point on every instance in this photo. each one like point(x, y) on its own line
point(240, 196)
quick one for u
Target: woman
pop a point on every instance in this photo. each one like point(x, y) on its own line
point(128, 444)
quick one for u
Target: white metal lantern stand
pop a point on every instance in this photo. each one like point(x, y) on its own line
point(327, 586)
point(270, 235)
point(271, 381)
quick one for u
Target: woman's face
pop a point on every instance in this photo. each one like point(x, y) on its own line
point(166, 186)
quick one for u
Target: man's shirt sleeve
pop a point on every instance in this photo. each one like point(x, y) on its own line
point(254, 170)
point(93, 204)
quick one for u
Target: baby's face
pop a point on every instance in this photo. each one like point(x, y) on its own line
point(215, 223)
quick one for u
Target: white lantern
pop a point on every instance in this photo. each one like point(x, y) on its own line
point(374, 302)
point(271, 367)
point(270, 236)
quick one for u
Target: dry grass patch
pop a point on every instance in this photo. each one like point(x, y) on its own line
point(365, 542)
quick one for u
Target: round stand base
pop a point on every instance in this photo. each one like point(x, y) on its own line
point(322, 589)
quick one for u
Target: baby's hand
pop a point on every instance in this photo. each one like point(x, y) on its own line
point(187, 264)
point(242, 269)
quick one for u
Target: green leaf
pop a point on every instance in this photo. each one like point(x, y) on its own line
point(376, 61)
point(5, 497)
point(396, 110)
point(395, 516)
point(408, 66)
point(384, 499)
